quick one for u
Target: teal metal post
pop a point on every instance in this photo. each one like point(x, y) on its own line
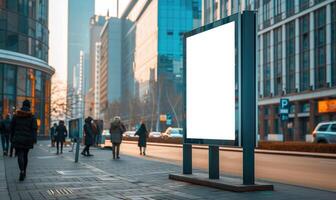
point(187, 159)
point(213, 162)
point(248, 94)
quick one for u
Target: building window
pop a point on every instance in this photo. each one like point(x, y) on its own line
point(290, 57)
point(277, 10)
point(304, 4)
point(266, 12)
point(304, 53)
point(320, 48)
point(333, 44)
point(290, 7)
point(277, 61)
point(267, 64)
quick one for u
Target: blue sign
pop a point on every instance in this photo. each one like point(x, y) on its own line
point(284, 109)
point(169, 119)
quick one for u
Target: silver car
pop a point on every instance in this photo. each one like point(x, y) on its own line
point(325, 132)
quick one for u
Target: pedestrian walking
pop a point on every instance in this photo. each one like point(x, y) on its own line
point(61, 134)
point(24, 132)
point(95, 133)
point(116, 132)
point(6, 131)
point(88, 136)
point(53, 134)
point(143, 135)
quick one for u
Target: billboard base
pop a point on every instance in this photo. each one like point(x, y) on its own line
point(223, 183)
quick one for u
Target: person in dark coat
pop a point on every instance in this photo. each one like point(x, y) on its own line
point(23, 132)
point(142, 142)
point(61, 134)
point(89, 137)
point(116, 132)
point(53, 134)
point(6, 131)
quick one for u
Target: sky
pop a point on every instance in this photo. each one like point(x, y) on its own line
point(58, 31)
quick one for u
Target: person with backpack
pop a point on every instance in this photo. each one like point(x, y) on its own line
point(116, 132)
point(61, 134)
point(24, 135)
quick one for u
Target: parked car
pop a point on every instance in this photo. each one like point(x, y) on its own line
point(106, 141)
point(129, 134)
point(325, 132)
point(173, 132)
point(155, 134)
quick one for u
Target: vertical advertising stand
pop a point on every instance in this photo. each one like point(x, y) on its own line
point(220, 83)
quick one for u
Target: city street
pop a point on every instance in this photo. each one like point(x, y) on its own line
point(304, 171)
point(132, 177)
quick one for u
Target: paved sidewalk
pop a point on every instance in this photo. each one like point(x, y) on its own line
point(99, 177)
point(4, 195)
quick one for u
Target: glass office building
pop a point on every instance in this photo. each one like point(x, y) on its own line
point(24, 69)
point(295, 60)
point(152, 59)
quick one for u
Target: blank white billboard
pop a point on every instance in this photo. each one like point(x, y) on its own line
point(210, 81)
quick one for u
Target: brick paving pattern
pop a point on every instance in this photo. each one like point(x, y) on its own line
point(99, 177)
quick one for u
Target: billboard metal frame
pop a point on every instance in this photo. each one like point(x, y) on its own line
point(233, 18)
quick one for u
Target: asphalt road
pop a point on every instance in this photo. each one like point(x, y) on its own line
point(303, 171)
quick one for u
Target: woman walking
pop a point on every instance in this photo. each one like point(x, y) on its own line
point(142, 142)
point(24, 130)
point(61, 134)
point(116, 131)
point(88, 134)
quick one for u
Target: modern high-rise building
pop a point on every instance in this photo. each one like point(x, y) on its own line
point(96, 24)
point(24, 69)
point(152, 38)
point(79, 15)
point(296, 59)
point(96, 107)
point(110, 69)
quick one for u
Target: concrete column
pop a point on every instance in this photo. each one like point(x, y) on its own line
point(312, 50)
point(262, 125)
point(328, 41)
point(261, 67)
point(312, 115)
point(260, 14)
point(271, 119)
point(297, 127)
point(272, 11)
point(272, 60)
point(297, 54)
point(283, 58)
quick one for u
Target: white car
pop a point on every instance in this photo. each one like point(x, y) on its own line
point(155, 134)
point(325, 132)
point(130, 134)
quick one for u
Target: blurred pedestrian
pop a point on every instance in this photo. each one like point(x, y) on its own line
point(61, 134)
point(116, 131)
point(143, 135)
point(53, 134)
point(24, 132)
point(88, 136)
point(6, 131)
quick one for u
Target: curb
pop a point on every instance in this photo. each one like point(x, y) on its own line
point(258, 151)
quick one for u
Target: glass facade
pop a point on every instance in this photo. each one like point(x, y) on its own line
point(320, 48)
point(24, 27)
point(277, 61)
point(304, 53)
point(18, 83)
point(24, 30)
point(267, 64)
point(333, 44)
point(152, 56)
point(290, 57)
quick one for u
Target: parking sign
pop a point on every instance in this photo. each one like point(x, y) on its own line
point(284, 109)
